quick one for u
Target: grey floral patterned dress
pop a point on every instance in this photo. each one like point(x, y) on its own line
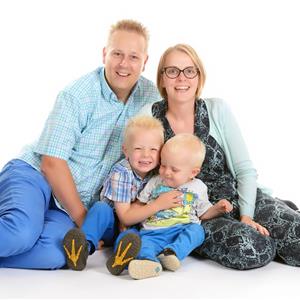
point(228, 241)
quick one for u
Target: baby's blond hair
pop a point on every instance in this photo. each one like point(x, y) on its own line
point(142, 122)
point(187, 143)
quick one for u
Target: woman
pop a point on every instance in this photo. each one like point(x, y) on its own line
point(259, 227)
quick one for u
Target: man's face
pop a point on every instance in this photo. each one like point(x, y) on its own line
point(124, 57)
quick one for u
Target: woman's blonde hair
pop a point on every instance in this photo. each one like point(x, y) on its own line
point(190, 51)
point(130, 26)
point(145, 123)
point(188, 144)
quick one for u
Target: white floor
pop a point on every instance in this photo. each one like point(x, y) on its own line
point(201, 279)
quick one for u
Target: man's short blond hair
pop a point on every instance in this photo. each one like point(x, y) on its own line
point(130, 26)
point(189, 144)
point(145, 123)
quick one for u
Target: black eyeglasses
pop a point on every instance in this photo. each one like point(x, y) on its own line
point(174, 72)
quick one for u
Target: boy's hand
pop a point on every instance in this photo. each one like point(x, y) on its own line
point(223, 206)
point(169, 200)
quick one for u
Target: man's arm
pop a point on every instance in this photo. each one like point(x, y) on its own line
point(59, 176)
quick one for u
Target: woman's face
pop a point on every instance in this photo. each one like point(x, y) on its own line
point(180, 89)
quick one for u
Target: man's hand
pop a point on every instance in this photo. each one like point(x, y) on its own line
point(122, 227)
point(100, 245)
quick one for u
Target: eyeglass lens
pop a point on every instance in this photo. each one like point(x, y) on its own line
point(174, 72)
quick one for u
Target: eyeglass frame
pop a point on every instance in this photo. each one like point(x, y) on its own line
point(180, 71)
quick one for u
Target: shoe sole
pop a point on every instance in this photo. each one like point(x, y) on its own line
point(169, 262)
point(127, 249)
point(142, 269)
point(76, 249)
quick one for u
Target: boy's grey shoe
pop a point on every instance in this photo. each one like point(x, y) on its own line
point(127, 249)
point(142, 269)
point(76, 249)
point(169, 260)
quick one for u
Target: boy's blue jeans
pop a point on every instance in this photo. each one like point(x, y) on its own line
point(182, 239)
point(100, 224)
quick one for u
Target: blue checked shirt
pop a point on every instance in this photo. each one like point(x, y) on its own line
point(85, 128)
point(122, 184)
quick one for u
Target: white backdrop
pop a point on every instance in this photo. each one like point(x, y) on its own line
point(250, 50)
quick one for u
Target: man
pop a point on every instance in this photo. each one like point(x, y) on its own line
point(54, 181)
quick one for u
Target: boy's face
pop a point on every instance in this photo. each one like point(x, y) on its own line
point(176, 168)
point(142, 150)
point(124, 57)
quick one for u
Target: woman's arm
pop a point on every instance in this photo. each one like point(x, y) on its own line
point(239, 162)
point(238, 159)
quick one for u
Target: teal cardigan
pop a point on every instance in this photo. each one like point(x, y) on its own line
point(225, 130)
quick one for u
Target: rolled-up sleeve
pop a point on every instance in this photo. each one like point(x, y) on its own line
point(62, 128)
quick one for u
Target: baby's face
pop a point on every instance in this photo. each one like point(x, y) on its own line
point(175, 168)
point(143, 150)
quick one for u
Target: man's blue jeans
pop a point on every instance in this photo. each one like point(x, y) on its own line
point(31, 233)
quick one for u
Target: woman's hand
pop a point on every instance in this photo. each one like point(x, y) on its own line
point(261, 229)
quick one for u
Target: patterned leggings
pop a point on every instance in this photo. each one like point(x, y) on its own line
point(236, 245)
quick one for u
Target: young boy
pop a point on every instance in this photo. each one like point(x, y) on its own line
point(142, 143)
point(170, 235)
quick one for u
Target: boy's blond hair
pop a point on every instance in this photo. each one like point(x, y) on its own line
point(142, 122)
point(187, 143)
point(131, 26)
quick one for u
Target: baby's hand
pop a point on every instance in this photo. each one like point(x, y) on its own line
point(224, 206)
